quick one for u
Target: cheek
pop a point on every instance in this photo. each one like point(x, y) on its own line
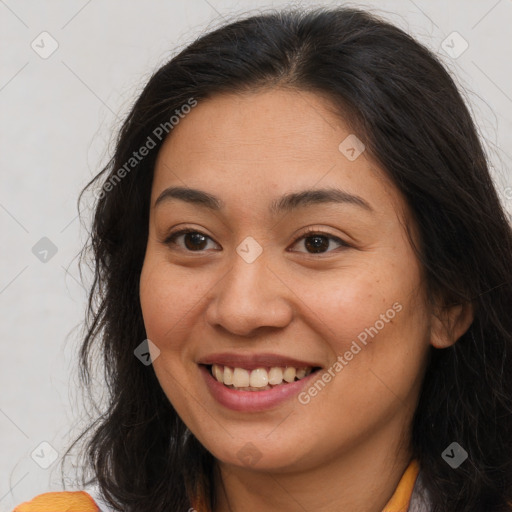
point(380, 325)
point(168, 296)
point(167, 301)
point(377, 379)
point(374, 317)
point(352, 302)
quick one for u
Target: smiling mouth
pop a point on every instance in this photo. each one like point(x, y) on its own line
point(258, 379)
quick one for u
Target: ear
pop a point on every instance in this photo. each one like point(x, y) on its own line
point(449, 323)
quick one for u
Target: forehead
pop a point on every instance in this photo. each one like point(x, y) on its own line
point(253, 146)
point(255, 126)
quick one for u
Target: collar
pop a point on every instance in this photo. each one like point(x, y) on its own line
point(409, 495)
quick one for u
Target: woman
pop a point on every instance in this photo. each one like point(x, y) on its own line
point(304, 277)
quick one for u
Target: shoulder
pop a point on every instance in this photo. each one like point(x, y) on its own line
point(63, 501)
point(88, 500)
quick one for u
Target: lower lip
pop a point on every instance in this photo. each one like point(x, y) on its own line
point(253, 401)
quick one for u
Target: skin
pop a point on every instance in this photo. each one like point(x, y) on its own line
point(348, 447)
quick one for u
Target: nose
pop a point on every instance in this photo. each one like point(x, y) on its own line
point(249, 298)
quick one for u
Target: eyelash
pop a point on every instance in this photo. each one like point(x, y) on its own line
point(309, 233)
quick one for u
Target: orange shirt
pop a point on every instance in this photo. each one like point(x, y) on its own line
point(81, 501)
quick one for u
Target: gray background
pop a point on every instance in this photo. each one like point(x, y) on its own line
point(58, 115)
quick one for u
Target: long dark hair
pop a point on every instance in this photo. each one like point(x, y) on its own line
point(403, 104)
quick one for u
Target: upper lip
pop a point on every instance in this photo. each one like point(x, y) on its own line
point(252, 361)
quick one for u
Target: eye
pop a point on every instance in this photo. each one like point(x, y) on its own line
point(316, 241)
point(194, 240)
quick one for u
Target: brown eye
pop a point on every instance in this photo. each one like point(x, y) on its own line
point(194, 241)
point(318, 242)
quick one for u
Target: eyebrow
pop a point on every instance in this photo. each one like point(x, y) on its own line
point(285, 203)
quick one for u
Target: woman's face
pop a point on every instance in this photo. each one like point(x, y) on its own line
point(252, 291)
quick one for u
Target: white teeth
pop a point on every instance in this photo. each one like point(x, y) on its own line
point(289, 374)
point(218, 373)
point(275, 376)
point(258, 379)
point(228, 375)
point(240, 378)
